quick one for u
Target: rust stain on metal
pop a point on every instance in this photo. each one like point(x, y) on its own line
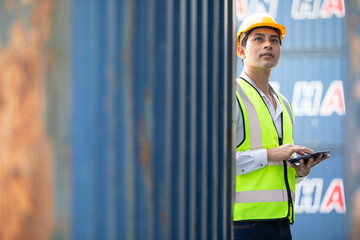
point(163, 217)
point(145, 154)
point(26, 156)
point(145, 151)
point(354, 39)
point(355, 234)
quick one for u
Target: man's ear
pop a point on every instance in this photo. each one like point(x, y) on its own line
point(241, 51)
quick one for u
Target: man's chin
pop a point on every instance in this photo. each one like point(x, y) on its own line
point(269, 66)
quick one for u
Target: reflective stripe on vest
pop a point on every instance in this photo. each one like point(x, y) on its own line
point(259, 196)
point(266, 193)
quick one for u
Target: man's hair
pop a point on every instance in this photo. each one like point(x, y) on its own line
point(244, 37)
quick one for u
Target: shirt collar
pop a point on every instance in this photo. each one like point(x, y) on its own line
point(278, 104)
point(247, 78)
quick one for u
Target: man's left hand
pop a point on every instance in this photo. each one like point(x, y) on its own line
point(304, 169)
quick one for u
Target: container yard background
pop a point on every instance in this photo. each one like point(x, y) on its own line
point(116, 117)
point(313, 73)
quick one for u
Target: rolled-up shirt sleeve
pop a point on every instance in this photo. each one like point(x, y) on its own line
point(250, 160)
point(299, 179)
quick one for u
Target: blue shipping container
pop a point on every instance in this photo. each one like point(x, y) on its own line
point(152, 119)
point(352, 90)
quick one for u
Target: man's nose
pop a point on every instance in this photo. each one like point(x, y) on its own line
point(267, 44)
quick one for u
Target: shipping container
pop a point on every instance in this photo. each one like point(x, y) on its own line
point(27, 154)
point(152, 136)
point(116, 119)
point(352, 123)
point(312, 75)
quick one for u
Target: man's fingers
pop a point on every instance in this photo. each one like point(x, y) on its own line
point(302, 150)
point(310, 163)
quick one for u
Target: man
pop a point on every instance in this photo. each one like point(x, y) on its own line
point(265, 180)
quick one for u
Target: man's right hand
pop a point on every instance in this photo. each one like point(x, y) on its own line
point(285, 151)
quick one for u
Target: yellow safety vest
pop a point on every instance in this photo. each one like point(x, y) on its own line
point(267, 193)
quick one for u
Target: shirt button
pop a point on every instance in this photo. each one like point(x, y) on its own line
point(261, 164)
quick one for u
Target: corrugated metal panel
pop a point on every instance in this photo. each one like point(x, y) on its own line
point(152, 120)
point(312, 75)
point(352, 89)
point(58, 107)
point(26, 150)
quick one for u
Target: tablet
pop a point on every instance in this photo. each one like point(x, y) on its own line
point(308, 156)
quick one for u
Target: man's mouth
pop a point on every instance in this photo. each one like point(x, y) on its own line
point(267, 54)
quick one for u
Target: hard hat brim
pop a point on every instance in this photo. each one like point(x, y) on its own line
point(278, 26)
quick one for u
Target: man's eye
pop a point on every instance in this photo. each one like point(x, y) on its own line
point(275, 40)
point(258, 39)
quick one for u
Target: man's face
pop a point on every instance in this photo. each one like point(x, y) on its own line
point(262, 49)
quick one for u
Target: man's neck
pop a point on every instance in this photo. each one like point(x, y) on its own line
point(260, 78)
